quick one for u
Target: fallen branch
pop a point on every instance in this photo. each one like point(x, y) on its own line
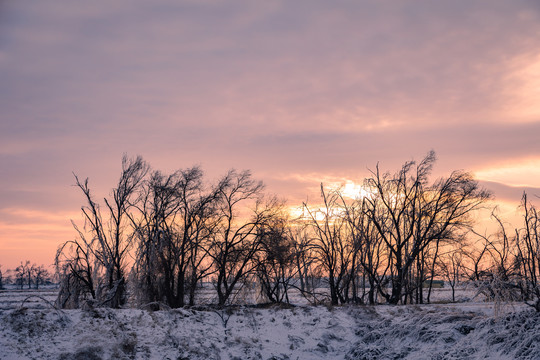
point(60, 312)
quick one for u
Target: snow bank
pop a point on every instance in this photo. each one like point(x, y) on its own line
point(442, 333)
point(383, 332)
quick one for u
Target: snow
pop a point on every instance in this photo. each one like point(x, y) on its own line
point(32, 298)
point(457, 331)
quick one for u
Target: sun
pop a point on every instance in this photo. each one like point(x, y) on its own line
point(353, 190)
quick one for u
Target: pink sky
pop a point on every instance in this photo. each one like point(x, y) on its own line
point(299, 92)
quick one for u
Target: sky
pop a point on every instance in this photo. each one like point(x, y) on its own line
point(300, 92)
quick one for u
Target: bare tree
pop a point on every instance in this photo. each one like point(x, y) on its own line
point(41, 275)
point(105, 241)
point(176, 219)
point(495, 268)
point(369, 250)
point(475, 258)
point(332, 244)
point(156, 266)
point(410, 215)
point(507, 268)
point(200, 222)
point(302, 260)
point(305, 262)
point(527, 241)
point(450, 267)
point(23, 274)
point(237, 238)
point(275, 262)
point(74, 263)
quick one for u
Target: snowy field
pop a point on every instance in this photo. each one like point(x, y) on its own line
point(13, 298)
point(471, 330)
point(250, 295)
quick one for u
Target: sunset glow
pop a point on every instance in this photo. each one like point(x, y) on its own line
point(301, 93)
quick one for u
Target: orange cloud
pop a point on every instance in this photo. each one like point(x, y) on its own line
point(517, 173)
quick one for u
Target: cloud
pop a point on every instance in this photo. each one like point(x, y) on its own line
point(279, 87)
point(510, 194)
point(287, 65)
point(521, 174)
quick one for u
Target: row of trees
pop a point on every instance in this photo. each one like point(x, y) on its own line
point(165, 234)
point(26, 275)
point(178, 229)
point(393, 238)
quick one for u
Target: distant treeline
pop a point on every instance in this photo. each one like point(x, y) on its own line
point(161, 235)
point(26, 275)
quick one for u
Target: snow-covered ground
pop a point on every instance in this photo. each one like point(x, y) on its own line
point(449, 331)
point(31, 298)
